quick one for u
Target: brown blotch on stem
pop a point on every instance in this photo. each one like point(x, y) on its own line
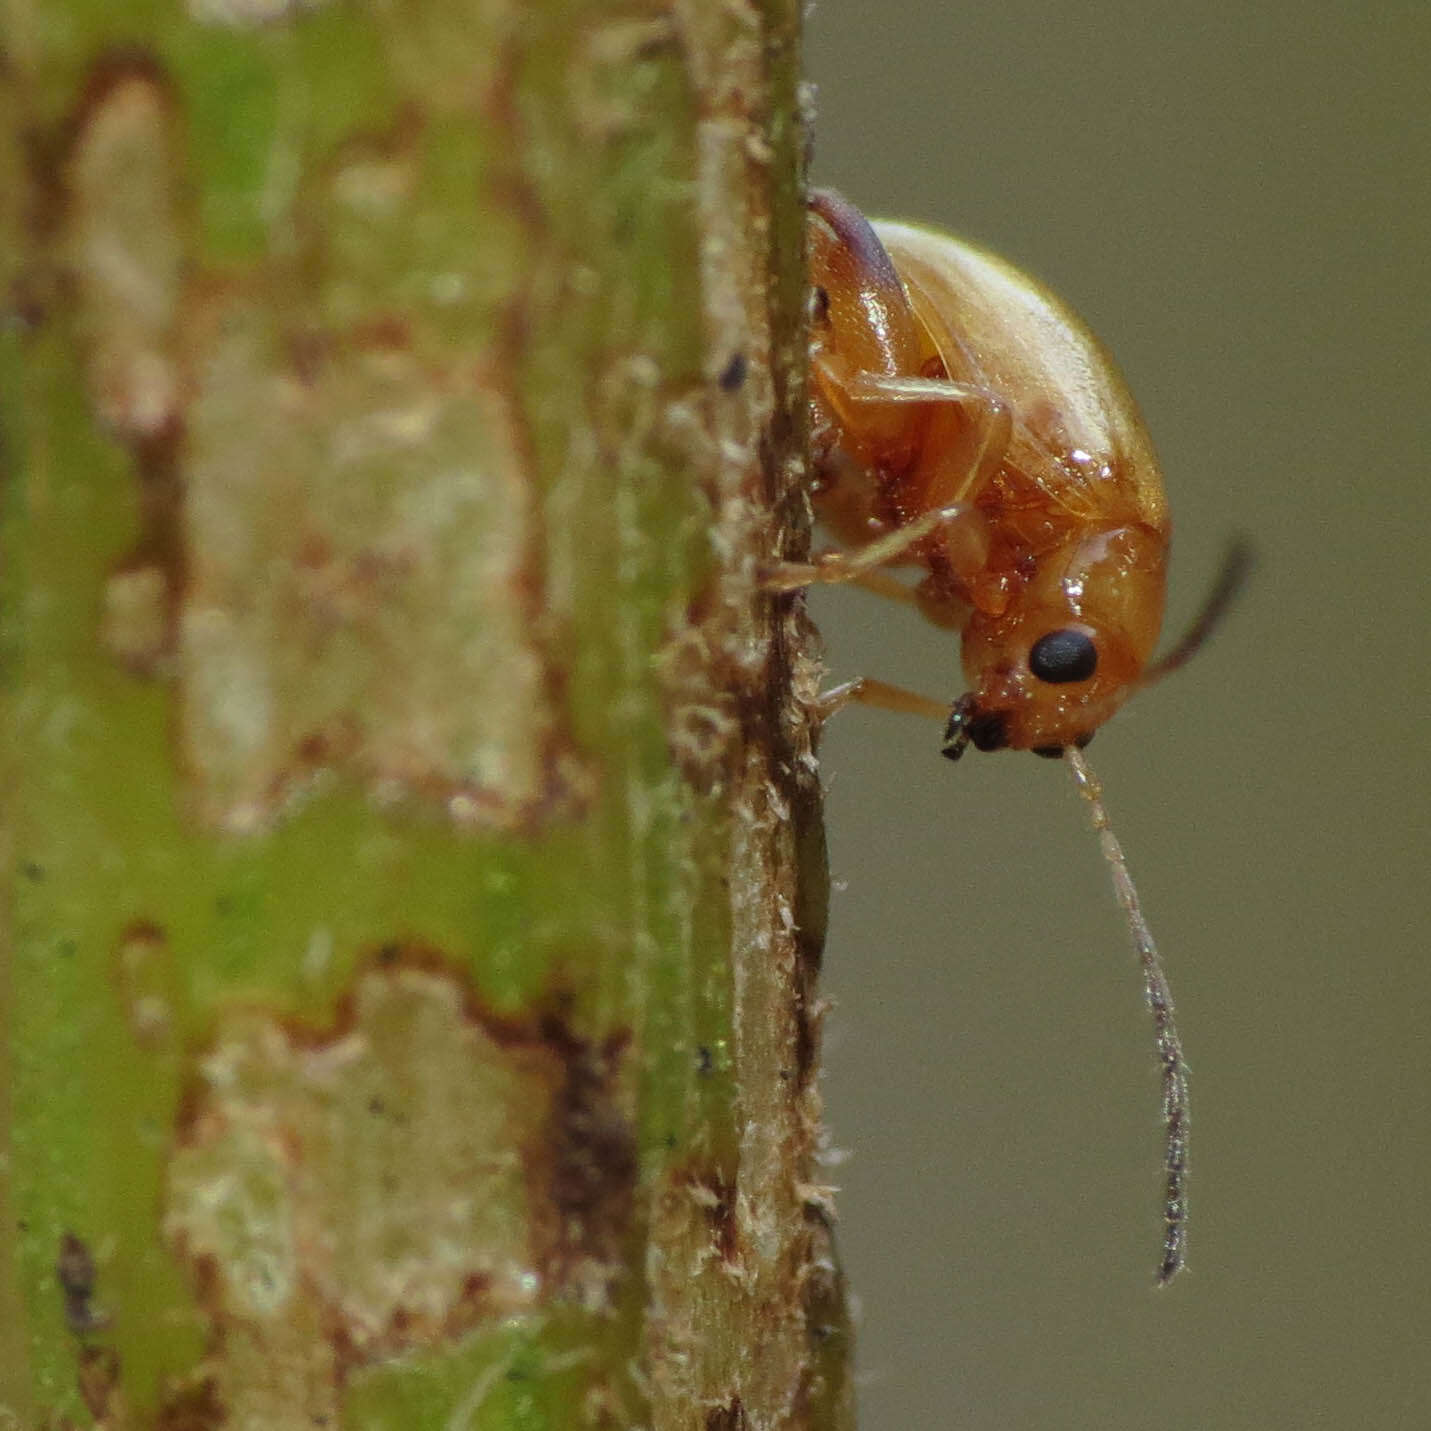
point(730, 1417)
point(147, 982)
point(75, 1272)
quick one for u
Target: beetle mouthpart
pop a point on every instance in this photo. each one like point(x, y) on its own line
point(987, 730)
point(956, 733)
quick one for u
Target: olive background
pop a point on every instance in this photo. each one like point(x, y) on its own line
point(1236, 197)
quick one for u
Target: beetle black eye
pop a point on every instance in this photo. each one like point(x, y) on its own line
point(1061, 656)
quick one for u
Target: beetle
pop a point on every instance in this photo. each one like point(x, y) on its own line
point(966, 422)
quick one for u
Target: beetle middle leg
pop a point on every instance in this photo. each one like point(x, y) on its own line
point(837, 567)
point(945, 465)
point(964, 433)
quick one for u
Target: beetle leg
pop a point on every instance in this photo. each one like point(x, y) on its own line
point(877, 583)
point(949, 467)
point(881, 387)
point(868, 692)
point(876, 414)
point(881, 583)
point(861, 322)
point(836, 567)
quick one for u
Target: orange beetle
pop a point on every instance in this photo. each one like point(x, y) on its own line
point(966, 422)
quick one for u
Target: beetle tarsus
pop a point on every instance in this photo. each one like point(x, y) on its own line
point(956, 732)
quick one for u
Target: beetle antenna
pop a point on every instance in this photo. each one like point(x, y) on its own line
point(1236, 567)
point(1160, 1002)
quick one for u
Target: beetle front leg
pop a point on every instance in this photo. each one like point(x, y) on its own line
point(865, 690)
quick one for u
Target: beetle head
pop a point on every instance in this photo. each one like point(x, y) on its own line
point(1048, 671)
point(1066, 652)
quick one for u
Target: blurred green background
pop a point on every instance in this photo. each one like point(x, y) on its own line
point(1236, 197)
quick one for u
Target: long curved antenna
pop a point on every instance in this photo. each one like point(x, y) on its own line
point(1236, 567)
point(1160, 1001)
